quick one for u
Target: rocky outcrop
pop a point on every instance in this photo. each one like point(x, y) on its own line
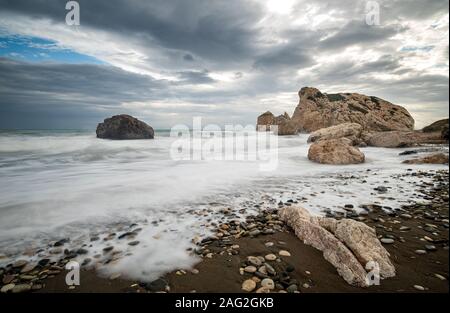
point(347, 245)
point(285, 126)
point(437, 126)
point(264, 121)
point(351, 131)
point(439, 158)
point(124, 127)
point(317, 110)
point(400, 139)
point(335, 151)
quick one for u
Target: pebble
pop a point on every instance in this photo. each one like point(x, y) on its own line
point(270, 269)
point(7, 288)
point(268, 283)
point(20, 263)
point(284, 253)
point(418, 287)
point(8, 279)
point(292, 289)
point(21, 288)
point(270, 257)
point(421, 252)
point(195, 271)
point(133, 243)
point(254, 261)
point(269, 244)
point(115, 276)
point(430, 248)
point(250, 269)
point(249, 285)
point(28, 268)
point(306, 285)
point(440, 277)
point(387, 240)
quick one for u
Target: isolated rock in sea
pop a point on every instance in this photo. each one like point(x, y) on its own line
point(400, 139)
point(351, 131)
point(124, 127)
point(362, 241)
point(264, 121)
point(439, 158)
point(284, 123)
point(335, 151)
point(317, 110)
point(308, 230)
point(437, 126)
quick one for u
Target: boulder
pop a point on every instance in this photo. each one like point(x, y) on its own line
point(124, 127)
point(335, 151)
point(439, 158)
point(284, 123)
point(347, 245)
point(264, 121)
point(400, 139)
point(437, 126)
point(317, 110)
point(351, 131)
point(362, 241)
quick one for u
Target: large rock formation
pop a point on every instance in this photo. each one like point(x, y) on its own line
point(285, 126)
point(348, 245)
point(439, 158)
point(351, 131)
point(335, 151)
point(317, 110)
point(124, 127)
point(400, 139)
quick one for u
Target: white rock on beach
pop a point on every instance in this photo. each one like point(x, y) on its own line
point(313, 231)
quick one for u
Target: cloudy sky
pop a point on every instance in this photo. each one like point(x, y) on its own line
point(227, 61)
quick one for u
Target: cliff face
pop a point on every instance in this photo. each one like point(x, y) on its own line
point(317, 110)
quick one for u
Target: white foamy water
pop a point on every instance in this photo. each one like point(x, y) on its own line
point(72, 185)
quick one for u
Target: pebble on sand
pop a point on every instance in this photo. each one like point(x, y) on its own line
point(249, 285)
point(284, 253)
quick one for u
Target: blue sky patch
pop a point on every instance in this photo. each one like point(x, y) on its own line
point(34, 49)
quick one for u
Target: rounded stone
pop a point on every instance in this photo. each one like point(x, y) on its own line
point(387, 241)
point(268, 283)
point(270, 257)
point(250, 269)
point(249, 285)
point(284, 253)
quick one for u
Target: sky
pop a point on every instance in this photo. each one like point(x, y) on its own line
point(226, 61)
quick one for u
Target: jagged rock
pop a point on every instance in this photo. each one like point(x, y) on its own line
point(348, 245)
point(284, 123)
point(351, 131)
point(124, 127)
point(335, 151)
point(264, 121)
point(362, 241)
point(317, 110)
point(401, 139)
point(439, 158)
point(334, 251)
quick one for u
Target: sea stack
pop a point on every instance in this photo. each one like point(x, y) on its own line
point(123, 127)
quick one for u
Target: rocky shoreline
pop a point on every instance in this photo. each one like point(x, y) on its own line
point(261, 254)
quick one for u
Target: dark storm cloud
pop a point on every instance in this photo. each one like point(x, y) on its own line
point(234, 39)
point(214, 30)
point(359, 33)
point(195, 77)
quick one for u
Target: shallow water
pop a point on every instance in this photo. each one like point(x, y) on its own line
point(70, 184)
